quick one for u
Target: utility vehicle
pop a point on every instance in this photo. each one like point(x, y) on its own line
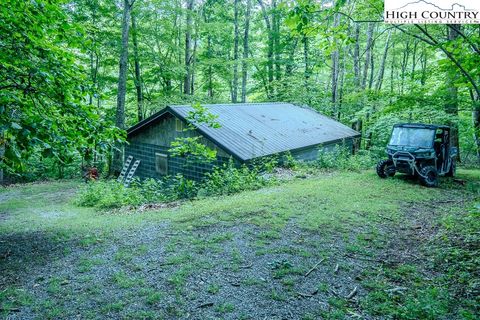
point(421, 150)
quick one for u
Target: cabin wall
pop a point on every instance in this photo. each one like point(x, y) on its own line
point(146, 154)
point(164, 132)
point(157, 139)
point(311, 154)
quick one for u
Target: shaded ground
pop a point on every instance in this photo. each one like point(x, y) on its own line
point(288, 252)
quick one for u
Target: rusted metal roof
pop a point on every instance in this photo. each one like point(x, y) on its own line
point(251, 130)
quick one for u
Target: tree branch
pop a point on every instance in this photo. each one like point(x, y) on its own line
point(350, 18)
point(452, 58)
point(414, 35)
point(474, 47)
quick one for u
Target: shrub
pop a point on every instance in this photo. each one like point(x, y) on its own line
point(341, 158)
point(229, 179)
point(108, 195)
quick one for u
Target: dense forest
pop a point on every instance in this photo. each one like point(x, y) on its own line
point(75, 73)
point(239, 209)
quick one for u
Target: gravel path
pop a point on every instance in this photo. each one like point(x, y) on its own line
point(226, 271)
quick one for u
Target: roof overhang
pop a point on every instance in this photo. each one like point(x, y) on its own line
point(420, 126)
point(149, 121)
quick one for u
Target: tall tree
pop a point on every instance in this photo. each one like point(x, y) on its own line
point(356, 57)
point(270, 48)
point(235, 52)
point(335, 56)
point(188, 49)
point(381, 70)
point(451, 101)
point(368, 53)
point(245, 51)
point(122, 83)
point(138, 78)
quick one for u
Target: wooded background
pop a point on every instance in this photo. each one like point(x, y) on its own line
point(74, 74)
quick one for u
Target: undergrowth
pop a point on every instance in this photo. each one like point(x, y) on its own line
point(452, 290)
point(227, 179)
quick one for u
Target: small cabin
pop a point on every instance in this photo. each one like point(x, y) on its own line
point(247, 131)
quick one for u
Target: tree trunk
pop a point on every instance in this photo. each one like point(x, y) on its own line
point(245, 52)
point(381, 71)
point(335, 70)
point(2, 154)
point(372, 69)
point(210, 69)
point(276, 41)
point(451, 101)
point(341, 86)
point(188, 48)
point(356, 57)
point(269, 49)
point(406, 54)
point(122, 85)
point(235, 53)
point(414, 61)
point(138, 79)
point(193, 61)
point(306, 63)
point(368, 53)
point(358, 126)
point(424, 60)
point(476, 124)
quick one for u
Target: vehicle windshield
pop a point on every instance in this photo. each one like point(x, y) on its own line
point(412, 137)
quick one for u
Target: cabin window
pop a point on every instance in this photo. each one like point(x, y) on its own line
point(161, 163)
point(178, 125)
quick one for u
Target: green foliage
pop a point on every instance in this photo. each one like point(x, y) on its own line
point(108, 195)
point(288, 161)
point(43, 109)
point(201, 115)
point(341, 158)
point(229, 179)
point(451, 286)
point(191, 148)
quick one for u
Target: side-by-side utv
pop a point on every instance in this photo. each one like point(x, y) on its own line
point(420, 150)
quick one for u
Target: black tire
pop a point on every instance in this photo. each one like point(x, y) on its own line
point(429, 176)
point(385, 168)
point(452, 170)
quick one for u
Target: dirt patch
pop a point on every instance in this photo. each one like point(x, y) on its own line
point(218, 271)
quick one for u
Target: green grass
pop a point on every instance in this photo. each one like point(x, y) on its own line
point(342, 205)
point(336, 201)
point(213, 288)
point(225, 308)
point(324, 201)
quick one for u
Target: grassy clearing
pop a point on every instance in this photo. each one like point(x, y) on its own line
point(411, 251)
point(330, 199)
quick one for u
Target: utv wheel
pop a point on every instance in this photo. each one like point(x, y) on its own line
point(453, 169)
point(429, 176)
point(385, 168)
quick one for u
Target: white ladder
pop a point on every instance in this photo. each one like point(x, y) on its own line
point(130, 174)
point(125, 169)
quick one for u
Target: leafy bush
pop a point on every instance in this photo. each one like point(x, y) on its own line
point(108, 195)
point(224, 180)
point(341, 158)
point(228, 179)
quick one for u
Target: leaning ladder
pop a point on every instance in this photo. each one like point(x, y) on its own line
point(125, 169)
point(130, 174)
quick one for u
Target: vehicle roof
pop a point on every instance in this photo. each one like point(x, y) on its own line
point(421, 126)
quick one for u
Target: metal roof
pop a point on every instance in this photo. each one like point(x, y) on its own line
point(252, 130)
point(422, 125)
